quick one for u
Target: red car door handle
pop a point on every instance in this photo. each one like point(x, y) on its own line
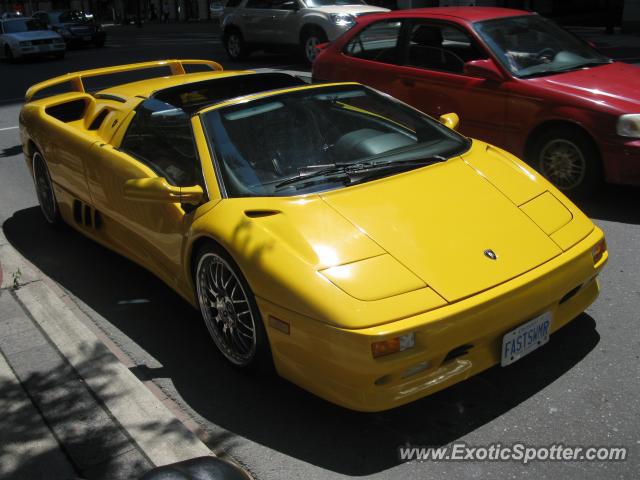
point(407, 82)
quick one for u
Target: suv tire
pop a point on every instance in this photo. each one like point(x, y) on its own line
point(310, 38)
point(235, 45)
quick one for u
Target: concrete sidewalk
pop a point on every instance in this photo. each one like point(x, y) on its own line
point(70, 408)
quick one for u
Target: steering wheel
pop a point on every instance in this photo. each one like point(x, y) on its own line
point(547, 54)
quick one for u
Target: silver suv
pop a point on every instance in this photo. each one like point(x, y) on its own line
point(250, 25)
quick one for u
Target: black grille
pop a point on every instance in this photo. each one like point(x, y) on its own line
point(82, 30)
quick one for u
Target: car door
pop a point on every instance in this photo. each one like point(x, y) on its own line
point(256, 21)
point(432, 79)
point(373, 57)
point(285, 21)
point(158, 142)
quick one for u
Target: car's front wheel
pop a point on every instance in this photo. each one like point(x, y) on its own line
point(45, 192)
point(568, 158)
point(229, 309)
point(235, 45)
point(310, 41)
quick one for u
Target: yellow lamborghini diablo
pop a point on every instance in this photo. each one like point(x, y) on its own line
point(367, 252)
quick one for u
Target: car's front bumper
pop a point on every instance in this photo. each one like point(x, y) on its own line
point(622, 161)
point(337, 364)
point(44, 49)
point(85, 39)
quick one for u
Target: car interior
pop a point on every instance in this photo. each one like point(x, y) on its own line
point(261, 145)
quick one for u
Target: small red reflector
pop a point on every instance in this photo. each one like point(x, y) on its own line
point(598, 251)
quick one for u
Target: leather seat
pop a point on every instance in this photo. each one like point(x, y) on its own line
point(426, 48)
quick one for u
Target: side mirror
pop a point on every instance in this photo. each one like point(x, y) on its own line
point(486, 69)
point(450, 120)
point(289, 5)
point(159, 190)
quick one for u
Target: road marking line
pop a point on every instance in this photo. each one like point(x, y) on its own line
point(8, 128)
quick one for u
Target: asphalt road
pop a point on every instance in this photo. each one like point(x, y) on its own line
point(581, 389)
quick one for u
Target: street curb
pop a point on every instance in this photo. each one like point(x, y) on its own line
point(145, 418)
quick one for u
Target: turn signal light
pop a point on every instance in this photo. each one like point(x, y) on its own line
point(598, 251)
point(393, 345)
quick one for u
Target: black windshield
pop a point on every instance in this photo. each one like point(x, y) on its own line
point(531, 45)
point(260, 144)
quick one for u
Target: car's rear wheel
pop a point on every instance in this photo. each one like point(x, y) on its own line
point(235, 45)
point(568, 158)
point(229, 310)
point(45, 192)
point(310, 41)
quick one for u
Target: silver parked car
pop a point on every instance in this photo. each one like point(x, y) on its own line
point(26, 36)
point(250, 25)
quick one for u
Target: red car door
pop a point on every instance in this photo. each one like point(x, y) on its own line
point(421, 62)
point(432, 79)
point(370, 57)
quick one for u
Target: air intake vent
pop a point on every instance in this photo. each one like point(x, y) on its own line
point(570, 294)
point(85, 215)
point(97, 122)
point(77, 211)
point(457, 352)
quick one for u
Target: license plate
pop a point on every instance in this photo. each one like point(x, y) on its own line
point(87, 38)
point(525, 339)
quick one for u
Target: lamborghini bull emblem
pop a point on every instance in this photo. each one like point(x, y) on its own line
point(490, 254)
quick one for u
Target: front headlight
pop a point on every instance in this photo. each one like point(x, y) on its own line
point(629, 125)
point(374, 278)
point(343, 19)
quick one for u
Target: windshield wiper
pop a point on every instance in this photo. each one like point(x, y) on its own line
point(542, 73)
point(357, 169)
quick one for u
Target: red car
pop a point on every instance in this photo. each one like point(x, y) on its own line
point(516, 79)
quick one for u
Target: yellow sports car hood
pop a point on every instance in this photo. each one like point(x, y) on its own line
point(446, 223)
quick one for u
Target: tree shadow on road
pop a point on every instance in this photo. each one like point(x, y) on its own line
point(96, 446)
point(11, 151)
point(271, 411)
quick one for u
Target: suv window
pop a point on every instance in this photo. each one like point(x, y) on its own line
point(160, 136)
point(378, 41)
point(440, 47)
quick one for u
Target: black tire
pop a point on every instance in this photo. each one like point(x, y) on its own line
point(228, 306)
point(568, 158)
point(235, 45)
point(45, 192)
point(308, 40)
